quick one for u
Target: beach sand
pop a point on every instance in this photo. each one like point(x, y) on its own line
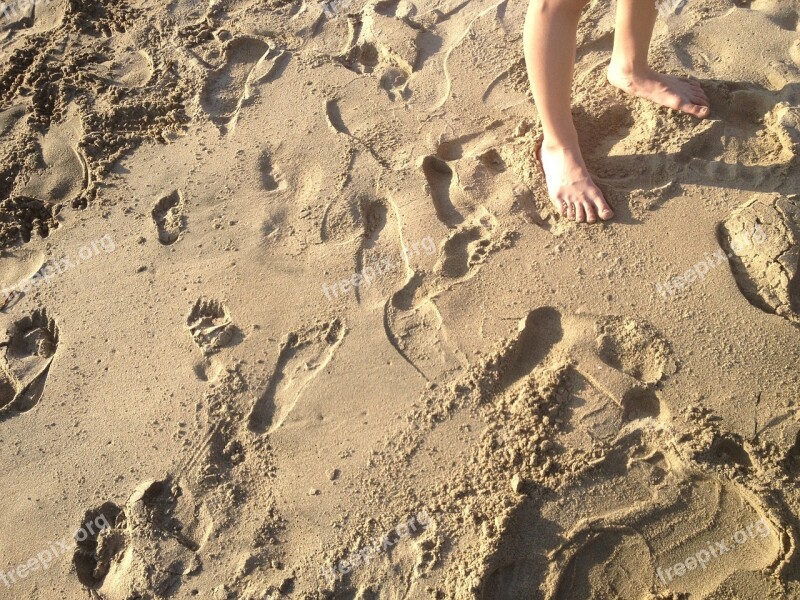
point(288, 313)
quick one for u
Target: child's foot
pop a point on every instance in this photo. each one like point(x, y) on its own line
point(685, 95)
point(570, 186)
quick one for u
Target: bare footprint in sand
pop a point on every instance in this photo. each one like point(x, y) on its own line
point(169, 217)
point(302, 356)
point(29, 352)
point(145, 548)
point(439, 178)
point(412, 321)
point(210, 325)
point(762, 241)
point(464, 250)
point(226, 89)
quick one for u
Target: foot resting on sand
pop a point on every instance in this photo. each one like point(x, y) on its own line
point(570, 186)
point(685, 95)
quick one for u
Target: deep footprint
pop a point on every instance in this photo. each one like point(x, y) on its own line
point(439, 177)
point(147, 547)
point(168, 216)
point(210, 325)
point(29, 351)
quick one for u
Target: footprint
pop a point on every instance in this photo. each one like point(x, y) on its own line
point(270, 177)
point(537, 335)
point(621, 359)
point(439, 177)
point(226, 89)
point(147, 547)
point(378, 41)
point(394, 81)
point(379, 256)
point(395, 39)
point(302, 356)
point(63, 175)
point(762, 241)
point(168, 215)
point(464, 250)
point(361, 58)
point(30, 349)
point(608, 565)
point(412, 322)
point(210, 325)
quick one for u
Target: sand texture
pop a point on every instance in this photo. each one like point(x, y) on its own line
point(287, 312)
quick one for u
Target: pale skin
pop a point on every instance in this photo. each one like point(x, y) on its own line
point(550, 39)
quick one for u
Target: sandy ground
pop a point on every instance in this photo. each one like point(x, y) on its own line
point(287, 313)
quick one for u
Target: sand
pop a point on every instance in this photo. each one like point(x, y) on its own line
point(287, 313)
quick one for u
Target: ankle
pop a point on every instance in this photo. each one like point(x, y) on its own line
point(558, 146)
point(625, 69)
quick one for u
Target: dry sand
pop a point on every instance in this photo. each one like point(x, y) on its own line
point(511, 409)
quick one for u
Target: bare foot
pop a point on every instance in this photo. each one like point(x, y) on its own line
point(685, 95)
point(570, 186)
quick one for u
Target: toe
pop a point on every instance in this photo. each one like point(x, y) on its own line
point(570, 210)
point(591, 212)
point(580, 213)
point(701, 112)
point(603, 209)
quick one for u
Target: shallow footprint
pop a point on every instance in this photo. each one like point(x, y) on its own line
point(301, 357)
point(225, 89)
point(168, 215)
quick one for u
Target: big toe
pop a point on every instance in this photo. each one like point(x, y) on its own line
point(696, 110)
point(601, 207)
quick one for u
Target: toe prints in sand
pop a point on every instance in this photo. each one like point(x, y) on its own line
point(210, 325)
point(29, 351)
